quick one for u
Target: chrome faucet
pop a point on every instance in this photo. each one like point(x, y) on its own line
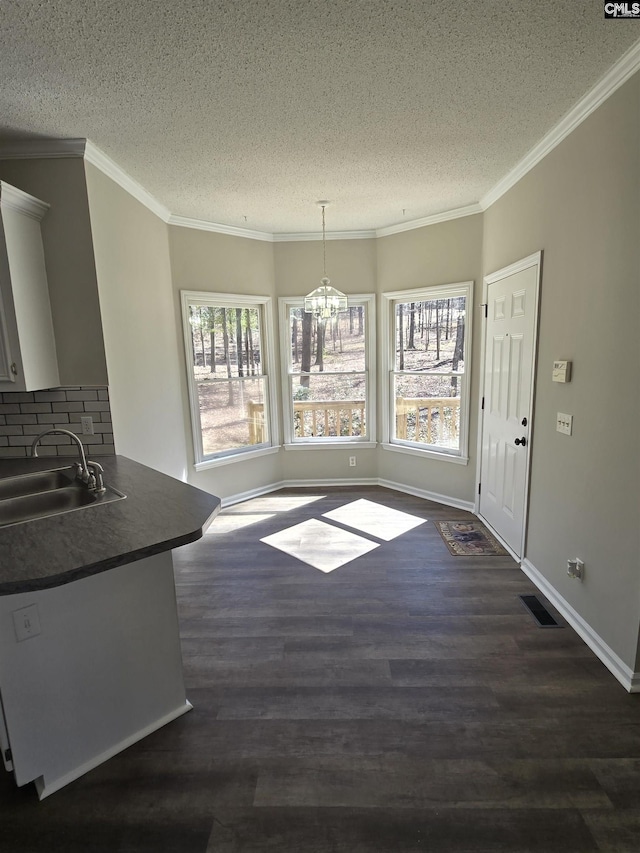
point(90, 473)
point(96, 481)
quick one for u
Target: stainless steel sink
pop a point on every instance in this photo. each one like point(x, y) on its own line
point(41, 481)
point(46, 493)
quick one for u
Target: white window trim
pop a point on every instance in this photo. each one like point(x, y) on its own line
point(421, 294)
point(335, 444)
point(367, 441)
point(240, 456)
point(231, 300)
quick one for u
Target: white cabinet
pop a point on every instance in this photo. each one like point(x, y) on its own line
point(28, 360)
point(102, 671)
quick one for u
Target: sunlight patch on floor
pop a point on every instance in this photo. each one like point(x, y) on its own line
point(375, 519)
point(261, 509)
point(276, 503)
point(228, 523)
point(320, 545)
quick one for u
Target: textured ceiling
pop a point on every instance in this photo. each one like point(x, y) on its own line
point(246, 113)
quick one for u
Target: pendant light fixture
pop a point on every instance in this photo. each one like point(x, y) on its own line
point(325, 301)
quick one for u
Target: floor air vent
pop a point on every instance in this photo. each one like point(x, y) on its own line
point(539, 612)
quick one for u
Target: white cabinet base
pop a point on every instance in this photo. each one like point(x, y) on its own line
point(45, 787)
point(100, 668)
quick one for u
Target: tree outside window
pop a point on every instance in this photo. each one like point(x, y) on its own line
point(328, 373)
point(228, 383)
point(430, 330)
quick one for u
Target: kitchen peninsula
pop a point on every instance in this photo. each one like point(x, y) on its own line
point(89, 645)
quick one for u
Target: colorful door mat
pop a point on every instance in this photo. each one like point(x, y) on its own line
point(469, 539)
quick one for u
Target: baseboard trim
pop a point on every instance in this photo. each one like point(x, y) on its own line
point(456, 503)
point(45, 788)
point(241, 497)
point(629, 679)
point(468, 506)
point(338, 481)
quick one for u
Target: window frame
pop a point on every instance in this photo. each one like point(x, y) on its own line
point(388, 326)
point(263, 304)
point(368, 300)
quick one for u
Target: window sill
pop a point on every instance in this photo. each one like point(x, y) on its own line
point(441, 456)
point(235, 457)
point(330, 444)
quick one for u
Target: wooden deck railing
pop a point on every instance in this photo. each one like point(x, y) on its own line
point(328, 417)
point(428, 420)
point(314, 418)
point(255, 415)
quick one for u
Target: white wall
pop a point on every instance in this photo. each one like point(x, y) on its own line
point(351, 266)
point(205, 261)
point(445, 253)
point(581, 206)
point(440, 254)
point(142, 347)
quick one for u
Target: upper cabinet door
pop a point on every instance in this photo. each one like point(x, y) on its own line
point(28, 360)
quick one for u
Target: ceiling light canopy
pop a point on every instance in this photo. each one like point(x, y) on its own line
point(325, 301)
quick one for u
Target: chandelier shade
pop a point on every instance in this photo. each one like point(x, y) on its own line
point(325, 301)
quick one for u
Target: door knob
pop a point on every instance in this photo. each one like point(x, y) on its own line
point(524, 422)
point(522, 441)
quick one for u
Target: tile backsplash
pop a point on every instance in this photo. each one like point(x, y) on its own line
point(24, 415)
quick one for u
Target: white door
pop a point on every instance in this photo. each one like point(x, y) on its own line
point(511, 296)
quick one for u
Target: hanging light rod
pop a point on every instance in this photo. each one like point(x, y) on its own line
point(325, 301)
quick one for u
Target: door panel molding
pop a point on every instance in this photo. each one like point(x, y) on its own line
point(534, 260)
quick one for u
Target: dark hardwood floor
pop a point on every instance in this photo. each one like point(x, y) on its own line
point(405, 702)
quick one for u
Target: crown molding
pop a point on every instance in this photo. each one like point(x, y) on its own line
point(53, 148)
point(26, 149)
point(41, 149)
point(266, 236)
point(16, 199)
point(317, 235)
point(97, 158)
point(626, 66)
point(434, 219)
point(217, 228)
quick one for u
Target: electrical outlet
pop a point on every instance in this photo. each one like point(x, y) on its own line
point(564, 423)
point(87, 425)
point(26, 622)
point(352, 461)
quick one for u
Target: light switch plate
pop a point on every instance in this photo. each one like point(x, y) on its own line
point(26, 622)
point(564, 423)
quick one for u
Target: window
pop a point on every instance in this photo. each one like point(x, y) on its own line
point(228, 363)
point(328, 374)
point(429, 334)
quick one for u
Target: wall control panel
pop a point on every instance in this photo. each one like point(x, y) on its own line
point(575, 569)
point(561, 371)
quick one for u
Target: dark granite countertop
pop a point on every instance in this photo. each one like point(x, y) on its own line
point(159, 513)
